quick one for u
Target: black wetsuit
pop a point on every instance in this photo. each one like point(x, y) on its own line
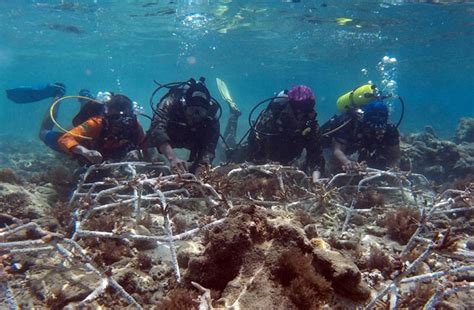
point(289, 135)
point(169, 125)
point(373, 149)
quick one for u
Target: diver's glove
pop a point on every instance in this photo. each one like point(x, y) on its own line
point(133, 156)
point(350, 166)
point(178, 165)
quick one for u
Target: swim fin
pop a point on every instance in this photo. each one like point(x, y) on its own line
point(27, 94)
point(221, 85)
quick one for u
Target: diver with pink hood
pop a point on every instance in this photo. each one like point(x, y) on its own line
point(281, 132)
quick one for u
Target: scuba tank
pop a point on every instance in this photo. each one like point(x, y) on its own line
point(349, 105)
point(357, 97)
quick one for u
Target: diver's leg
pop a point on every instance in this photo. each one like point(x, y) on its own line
point(230, 132)
point(47, 123)
point(46, 132)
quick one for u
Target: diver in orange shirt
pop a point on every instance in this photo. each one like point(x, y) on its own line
point(111, 136)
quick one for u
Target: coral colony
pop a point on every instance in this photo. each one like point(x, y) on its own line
point(242, 236)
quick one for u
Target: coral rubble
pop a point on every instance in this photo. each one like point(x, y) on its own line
point(241, 236)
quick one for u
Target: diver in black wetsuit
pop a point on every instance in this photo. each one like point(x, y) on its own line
point(186, 118)
point(283, 130)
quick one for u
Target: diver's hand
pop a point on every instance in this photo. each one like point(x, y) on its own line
point(178, 165)
point(93, 156)
point(350, 166)
point(200, 169)
point(133, 155)
point(315, 176)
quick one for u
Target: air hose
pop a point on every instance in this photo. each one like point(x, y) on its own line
point(53, 119)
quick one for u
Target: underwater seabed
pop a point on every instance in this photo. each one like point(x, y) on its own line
point(242, 236)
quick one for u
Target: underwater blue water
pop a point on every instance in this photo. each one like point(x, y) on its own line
point(256, 47)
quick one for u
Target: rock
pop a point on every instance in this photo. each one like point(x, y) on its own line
point(376, 231)
point(430, 131)
point(342, 272)
point(470, 243)
point(311, 231)
point(358, 219)
point(440, 160)
point(144, 244)
point(346, 244)
point(465, 130)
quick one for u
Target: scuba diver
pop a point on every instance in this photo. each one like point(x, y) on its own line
point(88, 109)
point(111, 136)
point(47, 134)
point(362, 129)
point(186, 118)
point(281, 132)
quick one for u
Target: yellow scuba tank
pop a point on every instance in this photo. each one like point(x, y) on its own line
point(356, 98)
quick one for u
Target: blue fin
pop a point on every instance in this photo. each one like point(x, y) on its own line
point(27, 94)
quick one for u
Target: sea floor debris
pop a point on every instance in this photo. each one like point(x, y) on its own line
point(134, 235)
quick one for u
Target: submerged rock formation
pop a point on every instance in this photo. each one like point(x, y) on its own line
point(440, 160)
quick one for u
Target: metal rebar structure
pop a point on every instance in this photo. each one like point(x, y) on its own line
point(136, 191)
point(143, 194)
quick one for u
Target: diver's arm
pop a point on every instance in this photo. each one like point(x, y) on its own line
point(167, 151)
point(71, 141)
point(157, 134)
point(175, 162)
point(210, 143)
point(314, 153)
point(392, 149)
point(392, 154)
point(338, 152)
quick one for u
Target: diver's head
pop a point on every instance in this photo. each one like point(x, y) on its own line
point(198, 105)
point(119, 111)
point(119, 105)
point(375, 116)
point(302, 99)
point(84, 93)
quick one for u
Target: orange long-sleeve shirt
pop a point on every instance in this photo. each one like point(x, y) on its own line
point(93, 130)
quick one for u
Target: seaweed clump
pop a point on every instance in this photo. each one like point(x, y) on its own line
point(306, 288)
point(56, 300)
point(178, 298)
point(402, 224)
point(225, 249)
point(378, 259)
point(369, 199)
point(418, 297)
point(61, 178)
point(8, 175)
point(109, 251)
point(63, 214)
point(15, 204)
point(106, 251)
